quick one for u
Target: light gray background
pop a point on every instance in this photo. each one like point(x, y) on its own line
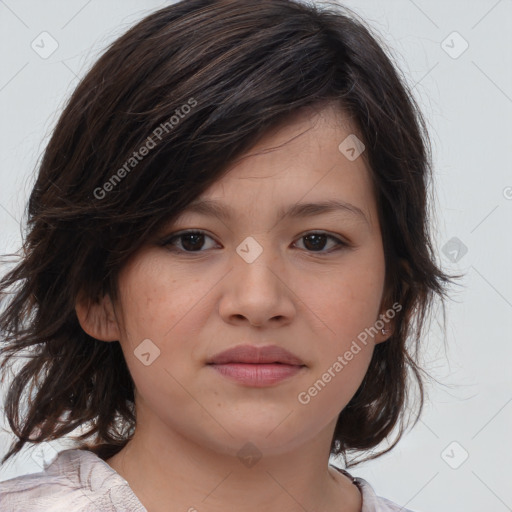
point(468, 103)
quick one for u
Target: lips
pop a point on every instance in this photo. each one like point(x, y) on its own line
point(258, 367)
point(251, 354)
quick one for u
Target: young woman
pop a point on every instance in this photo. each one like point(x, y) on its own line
point(227, 263)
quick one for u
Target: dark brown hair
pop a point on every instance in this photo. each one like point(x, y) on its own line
point(204, 80)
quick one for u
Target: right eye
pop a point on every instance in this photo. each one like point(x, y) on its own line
point(187, 241)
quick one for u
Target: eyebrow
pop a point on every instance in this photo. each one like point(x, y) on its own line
point(210, 207)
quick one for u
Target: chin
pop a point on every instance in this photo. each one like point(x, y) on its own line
point(258, 440)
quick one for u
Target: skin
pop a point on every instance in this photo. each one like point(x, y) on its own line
point(192, 421)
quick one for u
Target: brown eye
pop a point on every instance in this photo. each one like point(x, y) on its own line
point(316, 242)
point(187, 241)
point(192, 242)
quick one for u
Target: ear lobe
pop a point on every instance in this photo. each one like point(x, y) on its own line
point(381, 337)
point(389, 323)
point(98, 319)
point(386, 302)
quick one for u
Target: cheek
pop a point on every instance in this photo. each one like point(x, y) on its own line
point(164, 304)
point(333, 386)
point(346, 299)
point(160, 304)
point(347, 303)
point(157, 298)
point(343, 304)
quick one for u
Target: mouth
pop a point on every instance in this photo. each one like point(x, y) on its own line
point(257, 366)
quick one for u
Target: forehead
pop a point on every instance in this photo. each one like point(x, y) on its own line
point(296, 169)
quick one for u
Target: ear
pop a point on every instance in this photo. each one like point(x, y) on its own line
point(389, 328)
point(390, 310)
point(98, 319)
point(386, 317)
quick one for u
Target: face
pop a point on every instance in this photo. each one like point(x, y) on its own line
point(309, 282)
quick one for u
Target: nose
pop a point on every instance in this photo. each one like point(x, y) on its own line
point(257, 290)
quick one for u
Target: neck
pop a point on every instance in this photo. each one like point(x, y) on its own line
point(164, 467)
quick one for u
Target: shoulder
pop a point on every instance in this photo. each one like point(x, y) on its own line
point(75, 480)
point(372, 502)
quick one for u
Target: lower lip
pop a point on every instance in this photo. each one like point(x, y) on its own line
point(257, 375)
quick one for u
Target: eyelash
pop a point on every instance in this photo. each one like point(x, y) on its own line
point(168, 241)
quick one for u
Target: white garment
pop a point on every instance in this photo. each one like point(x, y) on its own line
point(79, 481)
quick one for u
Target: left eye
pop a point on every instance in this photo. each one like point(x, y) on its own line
point(318, 240)
point(193, 241)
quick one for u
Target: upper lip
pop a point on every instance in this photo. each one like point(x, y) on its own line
point(255, 355)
